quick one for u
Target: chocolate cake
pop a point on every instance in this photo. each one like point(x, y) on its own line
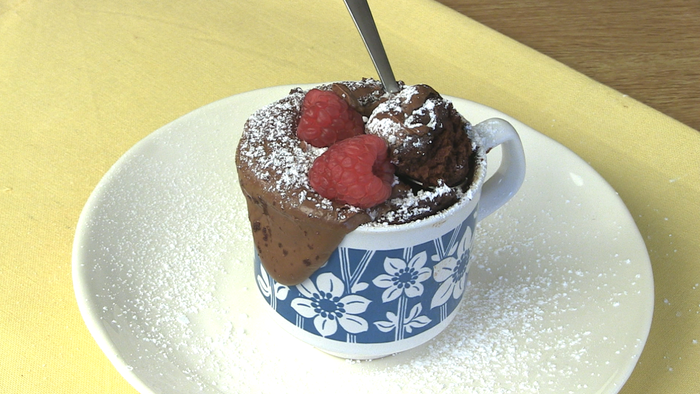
point(295, 229)
point(427, 137)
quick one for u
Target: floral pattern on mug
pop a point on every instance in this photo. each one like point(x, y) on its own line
point(403, 280)
point(277, 290)
point(378, 295)
point(402, 277)
point(329, 306)
point(451, 271)
point(403, 324)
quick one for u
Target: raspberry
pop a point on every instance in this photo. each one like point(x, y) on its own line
point(326, 118)
point(356, 171)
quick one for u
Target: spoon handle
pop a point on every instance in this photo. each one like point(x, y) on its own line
point(362, 15)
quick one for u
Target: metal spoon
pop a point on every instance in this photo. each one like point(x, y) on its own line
point(362, 15)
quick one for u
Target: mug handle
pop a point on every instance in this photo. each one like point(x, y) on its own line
point(506, 181)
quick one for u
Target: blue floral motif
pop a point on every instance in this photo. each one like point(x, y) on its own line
point(403, 278)
point(451, 271)
point(327, 304)
point(379, 295)
point(409, 323)
point(274, 291)
point(402, 281)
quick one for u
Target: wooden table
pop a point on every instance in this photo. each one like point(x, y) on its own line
point(647, 49)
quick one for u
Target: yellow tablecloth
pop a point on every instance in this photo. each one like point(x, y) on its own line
point(82, 81)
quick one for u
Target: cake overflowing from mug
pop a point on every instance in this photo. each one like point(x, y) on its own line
point(317, 164)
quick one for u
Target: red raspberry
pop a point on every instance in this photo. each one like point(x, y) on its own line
point(356, 171)
point(326, 118)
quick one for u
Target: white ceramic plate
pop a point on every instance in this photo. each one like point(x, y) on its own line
point(560, 299)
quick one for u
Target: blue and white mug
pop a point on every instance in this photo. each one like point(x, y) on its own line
point(387, 289)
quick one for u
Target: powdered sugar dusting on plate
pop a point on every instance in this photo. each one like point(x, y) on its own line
point(168, 267)
point(191, 312)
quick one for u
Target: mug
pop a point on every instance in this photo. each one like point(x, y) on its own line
point(388, 289)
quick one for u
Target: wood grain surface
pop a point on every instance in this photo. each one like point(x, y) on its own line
point(647, 49)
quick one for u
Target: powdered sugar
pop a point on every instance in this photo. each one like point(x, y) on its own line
point(414, 205)
point(274, 154)
point(386, 128)
point(198, 312)
point(384, 121)
point(415, 119)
